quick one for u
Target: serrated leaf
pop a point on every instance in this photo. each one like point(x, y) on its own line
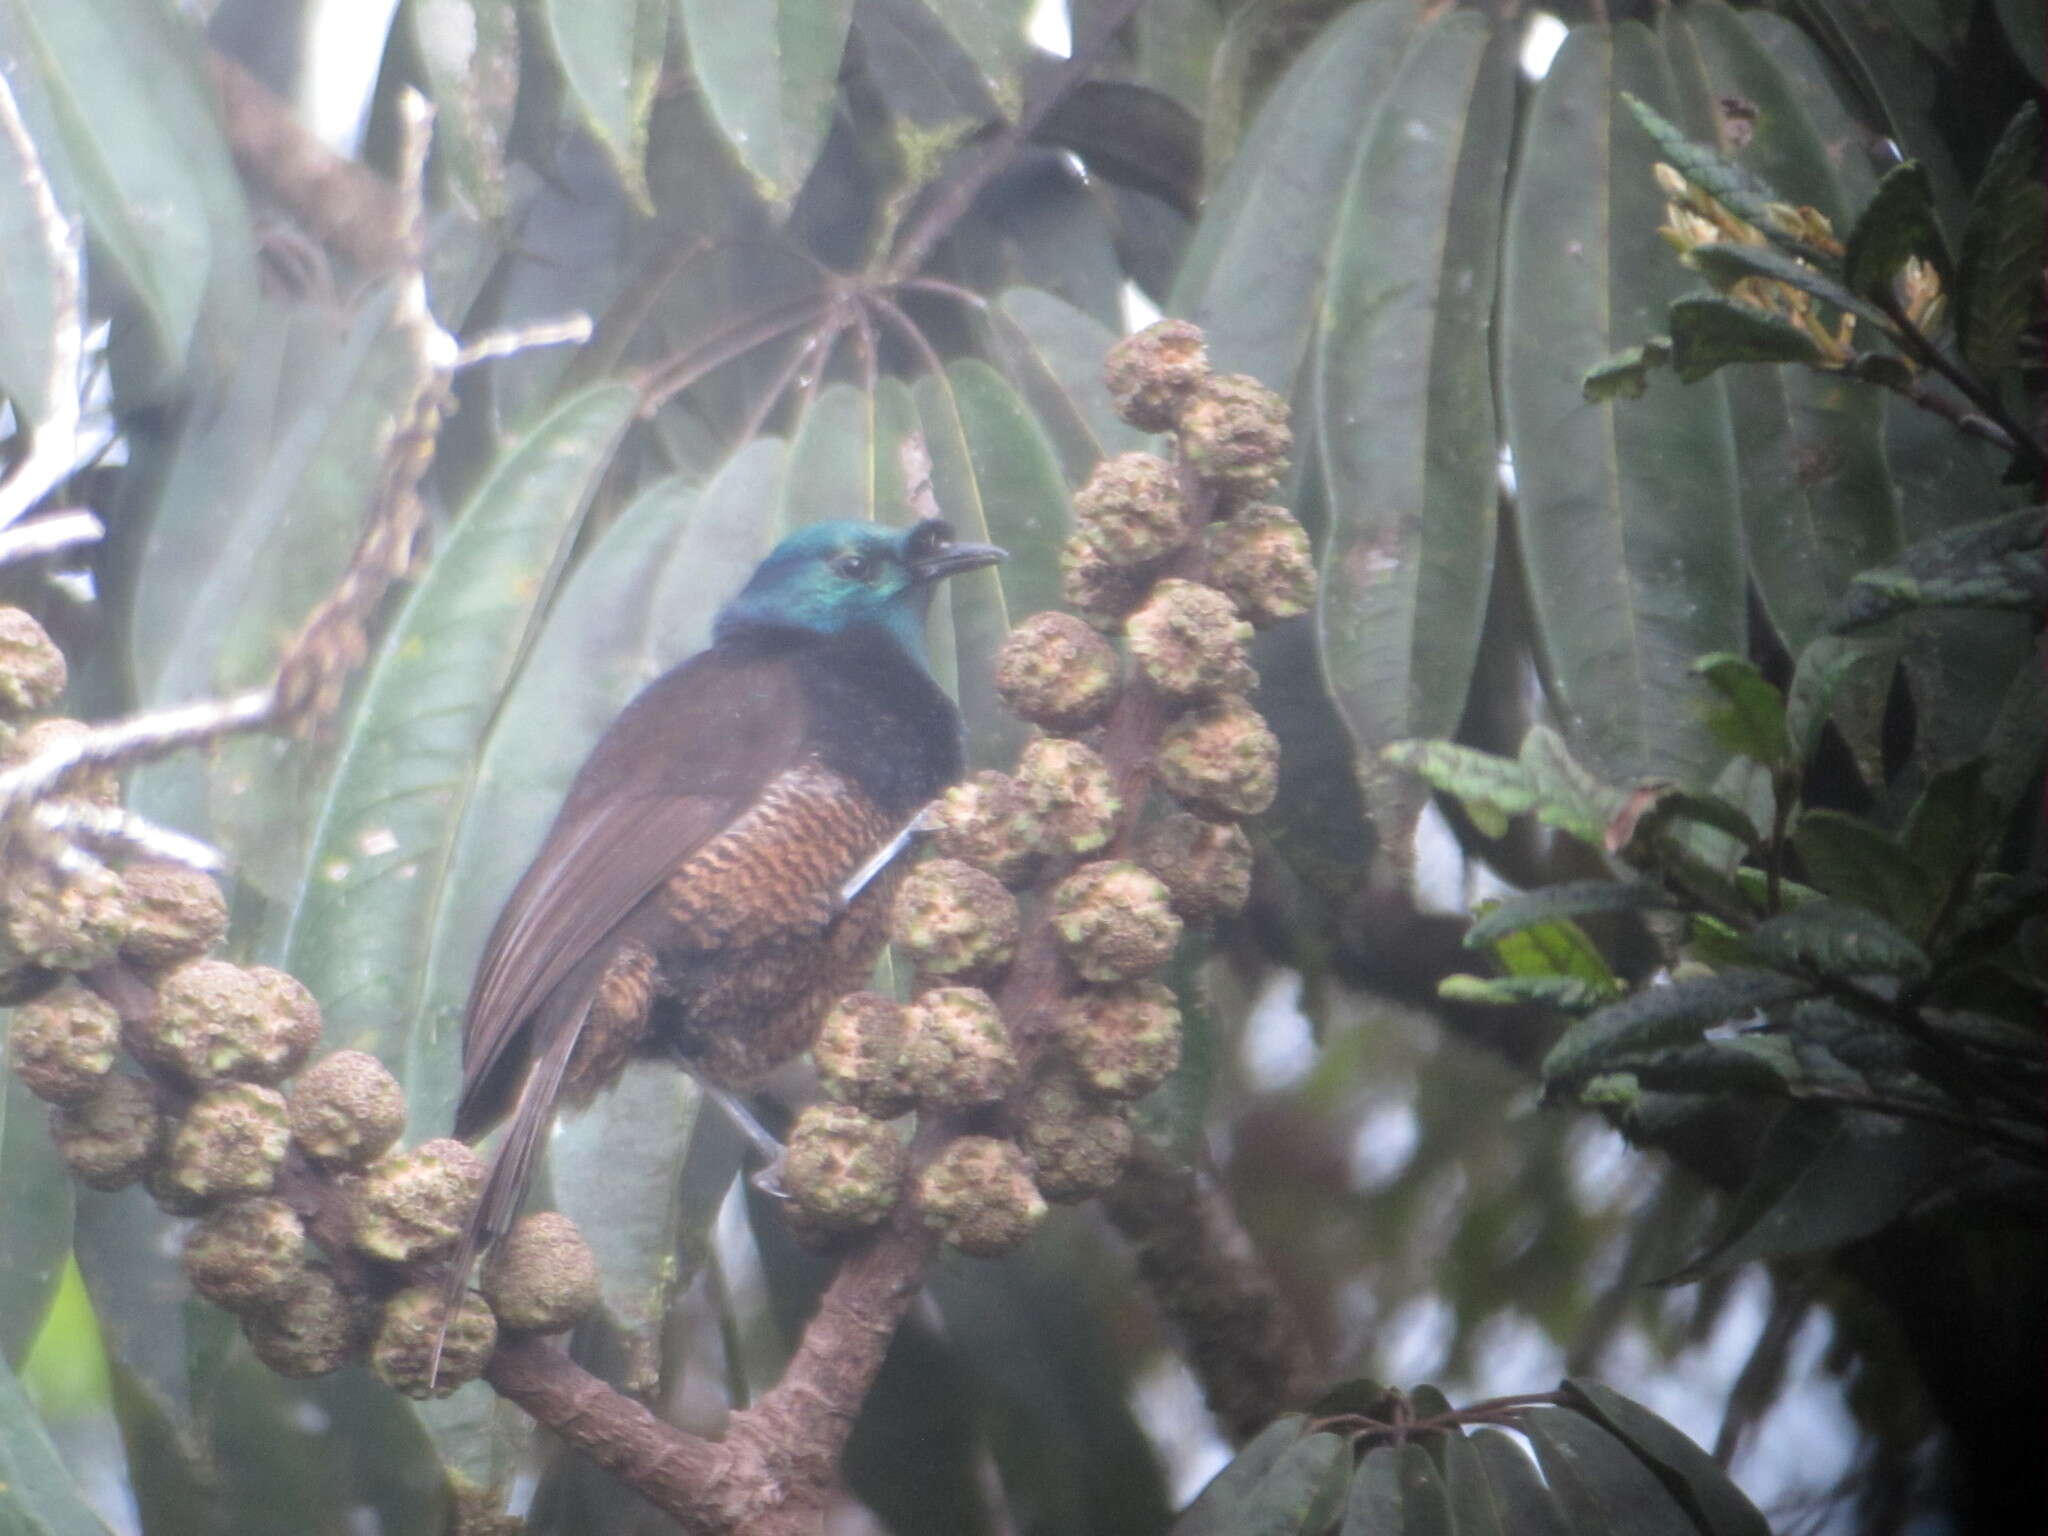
point(1725, 264)
point(1995, 564)
point(1675, 1013)
point(1897, 224)
point(1491, 788)
point(1254, 268)
point(143, 145)
point(1947, 827)
point(1626, 375)
point(1998, 289)
point(1711, 333)
point(1558, 947)
point(1602, 1488)
point(1600, 488)
point(769, 73)
point(1575, 898)
point(1741, 192)
point(37, 1494)
point(1837, 938)
point(610, 52)
point(1570, 796)
point(1750, 715)
point(1717, 1506)
point(1750, 1063)
point(1829, 670)
point(1824, 1176)
point(1401, 402)
point(1848, 857)
point(1567, 994)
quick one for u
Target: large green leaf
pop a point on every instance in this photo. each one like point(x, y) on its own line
point(1403, 405)
point(1053, 354)
point(357, 932)
point(769, 73)
point(1693, 1476)
point(37, 1494)
point(1817, 498)
point(131, 102)
point(1253, 271)
point(28, 283)
point(1628, 513)
point(35, 1218)
point(1658, 1017)
point(610, 53)
point(1603, 1489)
point(847, 460)
point(1999, 291)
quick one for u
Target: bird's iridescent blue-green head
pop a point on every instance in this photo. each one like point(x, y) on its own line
point(829, 578)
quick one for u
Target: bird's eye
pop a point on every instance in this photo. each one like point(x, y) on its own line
point(853, 567)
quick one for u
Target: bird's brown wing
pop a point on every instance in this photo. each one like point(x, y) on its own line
point(674, 770)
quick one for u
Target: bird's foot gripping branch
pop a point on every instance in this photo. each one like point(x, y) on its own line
point(1037, 935)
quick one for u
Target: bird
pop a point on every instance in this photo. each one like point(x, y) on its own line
point(720, 870)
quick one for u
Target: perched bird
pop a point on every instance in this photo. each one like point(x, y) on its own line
point(701, 891)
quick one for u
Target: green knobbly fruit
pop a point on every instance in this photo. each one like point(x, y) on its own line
point(1123, 1040)
point(347, 1110)
point(859, 1055)
point(32, 671)
point(1131, 511)
point(1234, 435)
point(413, 1205)
point(956, 1050)
point(978, 1195)
point(409, 1332)
point(1189, 641)
point(986, 822)
point(249, 1256)
point(175, 914)
point(1152, 374)
point(1221, 760)
point(1261, 560)
point(1115, 920)
point(1070, 794)
point(844, 1168)
point(1054, 670)
point(952, 919)
point(1100, 591)
point(216, 1020)
point(113, 1138)
point(232, 1141)
point(1077, 1146)
point(1206, 865)
point(541, 1276)
point(68, 922)
point(314, 1330)
point(63, 1045)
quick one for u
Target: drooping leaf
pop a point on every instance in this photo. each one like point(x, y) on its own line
point(1694, 1478)
point(1373, 1502)
point(38, 1496)
point(1255, 267)
point(1749, 717)
point(1526, 1506)
point(1998, 289)
point(610, 53)
point(1602, 1488)
point(1567, 994)
point(769, 74)
point(1614, 501)
point(1946, 830)
point(1897, 224)
point(1219, 1506)
point(1402, 402)
point(1558, 947)
point(1626, 375)
point(1837, 938)
point(1849, 857)
point(1475, 1507)
point(1997, 564)
point(1711, 333)
point(1574, 898)
point(129, 97)
point(1674, 1013)
point(1302, 1492)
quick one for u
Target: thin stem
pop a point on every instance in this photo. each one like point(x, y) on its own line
point(663, 380)
point(1916, 345)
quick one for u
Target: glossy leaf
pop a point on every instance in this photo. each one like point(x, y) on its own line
point(769, 73)
point(1402, 402)
point(1302, 1491)
point(1603, 1489)
point(1567, 994)
point(1254, 269)
point(1628, 512)
point(1372, 1504)
point(1711, 333)
point(358, 934)
point(136, 115)
point(1695, 1478)
point(37, 1494)
point(1475, 1506)
point(610, 52)
point(992, 34)
point(1674, 1013)
point(1525, 1504)
point(36, 1195)
point(1217, 1508)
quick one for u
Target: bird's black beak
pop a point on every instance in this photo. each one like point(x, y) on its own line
point(934, 555)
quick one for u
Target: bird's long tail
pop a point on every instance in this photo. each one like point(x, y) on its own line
point(511, 1166)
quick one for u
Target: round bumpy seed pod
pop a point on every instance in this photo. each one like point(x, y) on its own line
point(1078, 1147)
point(952, 919)
point(248, 1256)
point(1207, 865)
point(1150, 375)
point(1070, 792)
point(986, 823)
point(1101, 593)
point(1131, 510)
point(1054, 671)
point(859, 1055)
point(843, 1167)
point(1221, 760)
point(1115, 920)
point(314, 1330)
point(101, 786)
point(230, 1142)
point(1234, 434)
point(956, 1051)
point(1261, 559)
point(32, 674)
point(347, 1110)
point(409, 1327)
point(63, 1045)
point(113, 1138)
point(175, 914)
point(541, 1276)
point(72, 923)
point(1123, 1040)
point(413, 1205)
point(1190, 641)
point(978, 1194)
point(216, 1020)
